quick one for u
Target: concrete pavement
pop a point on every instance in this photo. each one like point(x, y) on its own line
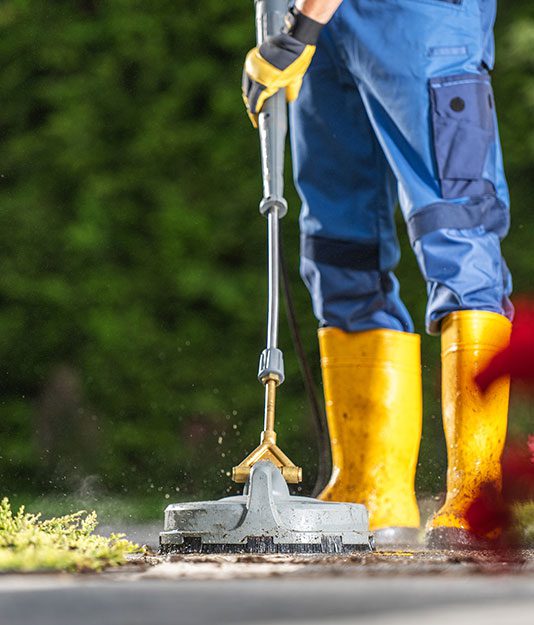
point(276, 594)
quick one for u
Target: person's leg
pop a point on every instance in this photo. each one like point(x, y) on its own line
point(424, 81)
point(349, 249)
point(422, 67)
point(348, 241)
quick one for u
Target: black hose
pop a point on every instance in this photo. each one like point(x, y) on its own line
point(319, 419)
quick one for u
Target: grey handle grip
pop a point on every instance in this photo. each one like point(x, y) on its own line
point(272, 122)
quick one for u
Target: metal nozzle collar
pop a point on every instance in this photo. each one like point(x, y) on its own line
point(271, 364)
point(269, 203)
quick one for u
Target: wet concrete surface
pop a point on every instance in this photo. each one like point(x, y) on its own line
point(380, 563)
point(383, 588)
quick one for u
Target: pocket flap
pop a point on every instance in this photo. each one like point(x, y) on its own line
point(463, 125)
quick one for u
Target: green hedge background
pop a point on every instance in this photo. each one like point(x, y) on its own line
point(132, 259)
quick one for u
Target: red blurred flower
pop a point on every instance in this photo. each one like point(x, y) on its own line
point(492, 511)
point(517, 359)
point(488, 513)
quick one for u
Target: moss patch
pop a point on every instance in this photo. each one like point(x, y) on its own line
point(65, 543)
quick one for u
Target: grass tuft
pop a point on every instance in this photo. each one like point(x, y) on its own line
point(64, 543)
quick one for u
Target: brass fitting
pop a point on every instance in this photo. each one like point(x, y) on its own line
point(268, 449)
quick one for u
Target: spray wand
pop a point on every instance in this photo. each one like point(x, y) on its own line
point(272, 127)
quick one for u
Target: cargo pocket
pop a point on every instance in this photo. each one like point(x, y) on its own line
point(463, 127)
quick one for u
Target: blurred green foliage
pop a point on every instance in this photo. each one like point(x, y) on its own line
point(132, 286)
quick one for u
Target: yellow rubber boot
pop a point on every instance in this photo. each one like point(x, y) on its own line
point(372, 386)
point(474, 423)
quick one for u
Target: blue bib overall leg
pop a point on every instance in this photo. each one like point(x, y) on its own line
point(401, 85)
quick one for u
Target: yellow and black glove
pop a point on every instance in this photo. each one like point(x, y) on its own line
point(280, 62)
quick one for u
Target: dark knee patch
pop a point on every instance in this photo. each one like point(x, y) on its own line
point(486, 211)
point(339, 253)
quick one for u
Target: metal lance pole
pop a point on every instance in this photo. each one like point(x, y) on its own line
point(272, 128)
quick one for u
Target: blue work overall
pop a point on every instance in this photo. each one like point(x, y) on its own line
point(397, 104)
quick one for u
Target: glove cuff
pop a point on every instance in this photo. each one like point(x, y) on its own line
point(301, 27)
